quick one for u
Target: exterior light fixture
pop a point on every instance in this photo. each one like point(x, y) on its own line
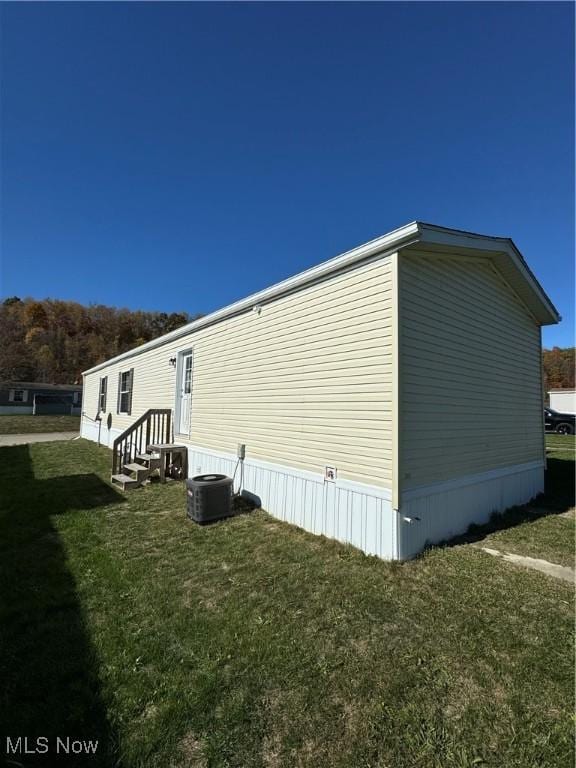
point(172, 362)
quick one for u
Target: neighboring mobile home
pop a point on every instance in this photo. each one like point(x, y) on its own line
point(26, 397)
point(388, 397)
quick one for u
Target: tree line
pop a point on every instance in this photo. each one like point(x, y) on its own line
point(54, 341)
point(558, 368)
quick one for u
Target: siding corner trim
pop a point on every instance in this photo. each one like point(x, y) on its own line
point(396, 494)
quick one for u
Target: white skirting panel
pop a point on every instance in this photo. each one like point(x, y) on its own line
point(439, 512)
point(352, 513)
point(98, 431)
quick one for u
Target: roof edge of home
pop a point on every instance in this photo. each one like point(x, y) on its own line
point(512, 251)
point(392, 241)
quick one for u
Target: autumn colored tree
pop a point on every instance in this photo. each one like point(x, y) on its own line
point(559, 367)
point(54, 341)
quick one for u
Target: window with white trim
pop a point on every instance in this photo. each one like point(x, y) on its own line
point(18, 395)
point(125, 384)
point(102, 394)
point(188, 374)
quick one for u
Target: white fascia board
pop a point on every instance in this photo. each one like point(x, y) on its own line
point(380, 246)
point(530, 278)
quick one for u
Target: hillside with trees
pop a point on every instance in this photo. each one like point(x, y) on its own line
point(558, 368)
point(54, 341)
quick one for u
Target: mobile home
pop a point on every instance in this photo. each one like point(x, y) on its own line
point(387, 398)
point(34, 398)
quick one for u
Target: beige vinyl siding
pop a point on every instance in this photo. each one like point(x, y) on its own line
point(469, 371)
point(305, 383)
point(90, 392)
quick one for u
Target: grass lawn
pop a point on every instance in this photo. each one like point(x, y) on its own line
point(26, 424)
point(252, 643)
point(561, 445)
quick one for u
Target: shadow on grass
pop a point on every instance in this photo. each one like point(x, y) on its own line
point(558, 497)
point(48, 667)
point(558, 485)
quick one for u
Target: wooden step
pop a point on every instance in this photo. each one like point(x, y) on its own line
point(126, 481)
point(136, 468)
point(153, 461)
point(164, 446)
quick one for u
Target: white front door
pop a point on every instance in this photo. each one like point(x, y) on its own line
point(184, 389)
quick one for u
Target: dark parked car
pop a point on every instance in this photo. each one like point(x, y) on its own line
point(562, 423)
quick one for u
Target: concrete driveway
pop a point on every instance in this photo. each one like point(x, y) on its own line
point(40, 437)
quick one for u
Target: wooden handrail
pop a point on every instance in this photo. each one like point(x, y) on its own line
point(154, 426)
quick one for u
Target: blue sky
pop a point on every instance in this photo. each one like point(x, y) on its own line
point(181, 156)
